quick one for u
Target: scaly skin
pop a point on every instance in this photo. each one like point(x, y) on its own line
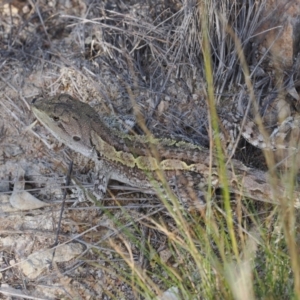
point(137, 160)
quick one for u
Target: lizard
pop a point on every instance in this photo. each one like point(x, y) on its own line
point(140, 160)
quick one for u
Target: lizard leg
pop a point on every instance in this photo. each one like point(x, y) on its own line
point(111, 170)
point(102, 177)
point(189, 188)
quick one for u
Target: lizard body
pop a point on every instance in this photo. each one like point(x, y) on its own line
point(137, 160)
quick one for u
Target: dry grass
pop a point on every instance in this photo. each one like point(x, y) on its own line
point(173, 63)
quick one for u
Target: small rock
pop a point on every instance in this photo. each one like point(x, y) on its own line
point(171, 294)
point(25, 201)
point(35, 263)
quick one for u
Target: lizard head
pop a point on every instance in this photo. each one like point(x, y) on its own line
point(68, 119)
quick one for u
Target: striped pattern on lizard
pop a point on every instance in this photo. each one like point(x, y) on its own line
point(138, 160)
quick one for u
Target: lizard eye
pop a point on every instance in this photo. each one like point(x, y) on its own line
point(76, 138)
point(55, 119)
